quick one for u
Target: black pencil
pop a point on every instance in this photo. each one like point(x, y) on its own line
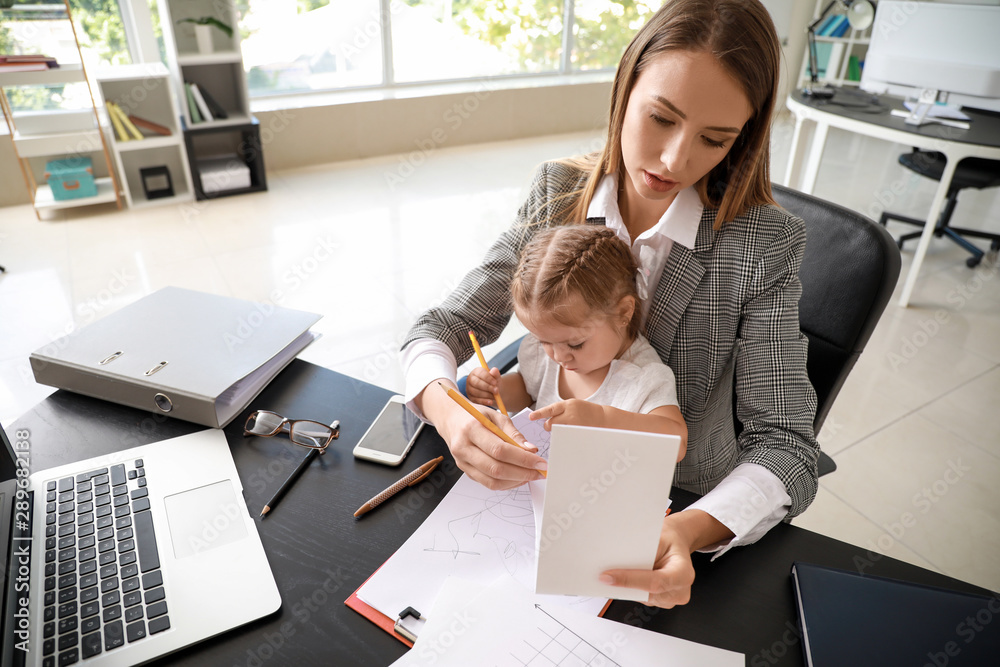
point(303, 464)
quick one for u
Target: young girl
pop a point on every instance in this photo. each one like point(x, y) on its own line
point(584, 361)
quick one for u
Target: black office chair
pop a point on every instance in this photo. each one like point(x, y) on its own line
point(972, 172)
point(849, 270)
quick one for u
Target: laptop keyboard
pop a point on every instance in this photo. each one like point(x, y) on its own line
point(103, 583)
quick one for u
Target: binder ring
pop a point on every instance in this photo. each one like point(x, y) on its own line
point(163, 402)
point(156, 368)
point(112, 357)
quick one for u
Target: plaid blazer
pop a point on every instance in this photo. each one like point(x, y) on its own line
point(724, 317)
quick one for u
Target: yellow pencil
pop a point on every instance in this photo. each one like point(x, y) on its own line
point(482, 419)
point(482, 360)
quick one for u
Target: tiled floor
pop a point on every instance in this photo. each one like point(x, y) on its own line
point(914, 431)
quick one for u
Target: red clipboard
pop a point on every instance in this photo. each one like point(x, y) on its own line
point(389, 624)
point(374, 615)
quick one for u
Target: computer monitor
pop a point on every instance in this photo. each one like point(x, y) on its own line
point(948, 47)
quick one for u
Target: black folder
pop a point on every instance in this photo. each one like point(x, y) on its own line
point(854, 619)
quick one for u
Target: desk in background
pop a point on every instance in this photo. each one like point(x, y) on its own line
point(319, 554)
point(982, 139)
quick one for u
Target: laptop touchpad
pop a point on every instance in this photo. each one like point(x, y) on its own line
point(204, 518)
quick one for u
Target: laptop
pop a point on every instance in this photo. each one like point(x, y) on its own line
point(122, 559)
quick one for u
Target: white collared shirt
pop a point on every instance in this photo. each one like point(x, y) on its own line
point(678, 225)
point(751, 499)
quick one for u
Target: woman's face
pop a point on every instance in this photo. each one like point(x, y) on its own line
point(683, 115)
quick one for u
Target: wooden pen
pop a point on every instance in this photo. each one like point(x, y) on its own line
point(413, 478)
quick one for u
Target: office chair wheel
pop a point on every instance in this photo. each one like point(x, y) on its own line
point(900, 243)
point(995, 245)
point(973, 262)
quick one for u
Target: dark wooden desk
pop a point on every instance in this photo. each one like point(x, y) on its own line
point(319, 554)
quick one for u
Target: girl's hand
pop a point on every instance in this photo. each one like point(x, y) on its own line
point(574, 411)
point(481, 385)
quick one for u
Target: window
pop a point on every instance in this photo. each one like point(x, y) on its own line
point(603, 28)
point(316, 45)
point(304, 45)
point(41, 27)
point(436, 40)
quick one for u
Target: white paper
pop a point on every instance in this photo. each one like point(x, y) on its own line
point(503, 625)
point(605, 498)
point(946, 111)
point(474, 533)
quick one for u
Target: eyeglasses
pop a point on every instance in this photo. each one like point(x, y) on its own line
point(300, 431)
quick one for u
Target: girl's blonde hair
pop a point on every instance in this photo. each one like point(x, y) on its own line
point(741, 36)
point(587, 262)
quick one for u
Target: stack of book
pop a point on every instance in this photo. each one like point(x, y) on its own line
point(127, 125)
point(201, 106)
point(27, 63)
point(834, 26)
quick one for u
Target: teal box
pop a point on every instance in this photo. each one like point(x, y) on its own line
point(71, 178)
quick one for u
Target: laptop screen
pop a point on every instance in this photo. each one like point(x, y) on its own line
point(9, 581)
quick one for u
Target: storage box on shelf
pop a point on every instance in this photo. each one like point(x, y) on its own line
point(226, 160)
point(39, 137)
point(144, 94)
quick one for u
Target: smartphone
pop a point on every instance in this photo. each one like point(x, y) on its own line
point(390, 437)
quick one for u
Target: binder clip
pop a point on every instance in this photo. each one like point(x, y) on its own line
point(400, 629)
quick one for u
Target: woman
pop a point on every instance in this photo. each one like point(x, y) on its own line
point(683, 179)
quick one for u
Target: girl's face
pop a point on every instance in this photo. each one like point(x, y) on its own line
point(588, 347)
point(683, 115)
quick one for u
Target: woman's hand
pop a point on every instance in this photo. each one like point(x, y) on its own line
point(669, 582)
point(482, 384)
point(478, 452)
point(574, 411)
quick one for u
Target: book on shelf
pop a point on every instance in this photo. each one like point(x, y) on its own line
point(217, 111)
point(841, 28)
point(144, 124)
point(116, 123)
point(200, 101)
point(27, 63)
point(125, 126)
point(192, 105)
point(822, 28)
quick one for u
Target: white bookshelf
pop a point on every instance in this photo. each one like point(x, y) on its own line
point(146, 91)
point(218, 72)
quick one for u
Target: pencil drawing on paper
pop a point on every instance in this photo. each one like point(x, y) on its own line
point(497, 523)
point(552, 643)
